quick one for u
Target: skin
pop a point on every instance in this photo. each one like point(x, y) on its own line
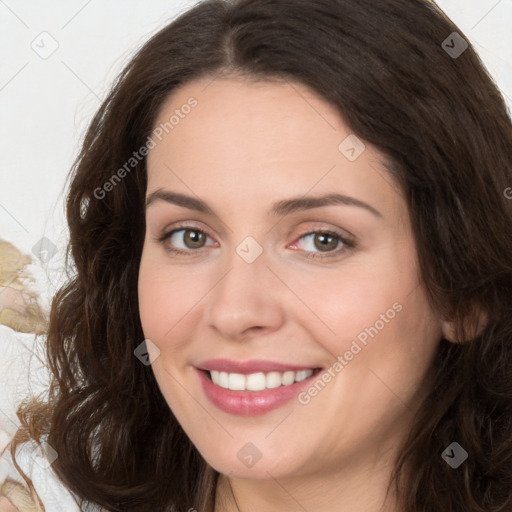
point(245, 146)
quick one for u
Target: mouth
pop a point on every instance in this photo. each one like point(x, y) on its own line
point(258, 381)
point(252, 388)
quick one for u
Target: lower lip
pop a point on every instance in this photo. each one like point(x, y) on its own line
point(251, 403)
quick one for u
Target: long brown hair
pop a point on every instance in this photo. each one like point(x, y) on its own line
point(443, 126)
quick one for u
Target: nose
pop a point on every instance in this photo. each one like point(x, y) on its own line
point(246, 301)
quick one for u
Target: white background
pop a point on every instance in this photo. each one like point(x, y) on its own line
point(46, 104)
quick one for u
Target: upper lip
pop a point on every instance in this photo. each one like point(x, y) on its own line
point(247, 367)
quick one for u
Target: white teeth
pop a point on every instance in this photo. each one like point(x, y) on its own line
point(258, 381)
point(303, 374)
point(236, 381)
point(273, 380)
point(255, 381)
point(288, 378)
point(223, 379)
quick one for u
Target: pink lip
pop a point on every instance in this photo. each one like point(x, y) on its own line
point(251, 403)
point(247, 367)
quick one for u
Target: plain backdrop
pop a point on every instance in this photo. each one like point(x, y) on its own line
point(58, 59)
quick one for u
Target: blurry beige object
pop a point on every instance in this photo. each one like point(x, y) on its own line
point(14, 497)
point(19, 306)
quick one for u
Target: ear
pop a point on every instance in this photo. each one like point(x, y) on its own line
point(472, 327)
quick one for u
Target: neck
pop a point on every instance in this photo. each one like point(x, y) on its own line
point(358, 490)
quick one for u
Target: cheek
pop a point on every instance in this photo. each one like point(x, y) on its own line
point(371, 307)
point(171, 301)
point(159, 304)
point(341, 306)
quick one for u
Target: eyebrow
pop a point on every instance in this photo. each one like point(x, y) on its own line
point(281, 208)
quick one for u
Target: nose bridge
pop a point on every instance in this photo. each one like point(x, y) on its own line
point(244, 297)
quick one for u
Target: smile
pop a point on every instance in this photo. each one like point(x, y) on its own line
point(252, 388)
point(258, 381)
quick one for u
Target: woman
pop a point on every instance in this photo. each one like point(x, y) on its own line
point(293, 274)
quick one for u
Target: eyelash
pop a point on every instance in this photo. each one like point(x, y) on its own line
point(348, 243)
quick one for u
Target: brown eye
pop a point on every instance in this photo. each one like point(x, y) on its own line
point(193, 239)
point(184, 240)
point(325, 242)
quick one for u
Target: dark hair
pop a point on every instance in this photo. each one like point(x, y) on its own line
point(445, 132)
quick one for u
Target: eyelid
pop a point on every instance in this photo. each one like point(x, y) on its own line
point(322, 227)
point(184, 224)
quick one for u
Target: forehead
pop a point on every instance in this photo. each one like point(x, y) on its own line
point(258, 138)
point(266, 120)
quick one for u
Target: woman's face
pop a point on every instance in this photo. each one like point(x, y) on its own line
point(295, 255)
